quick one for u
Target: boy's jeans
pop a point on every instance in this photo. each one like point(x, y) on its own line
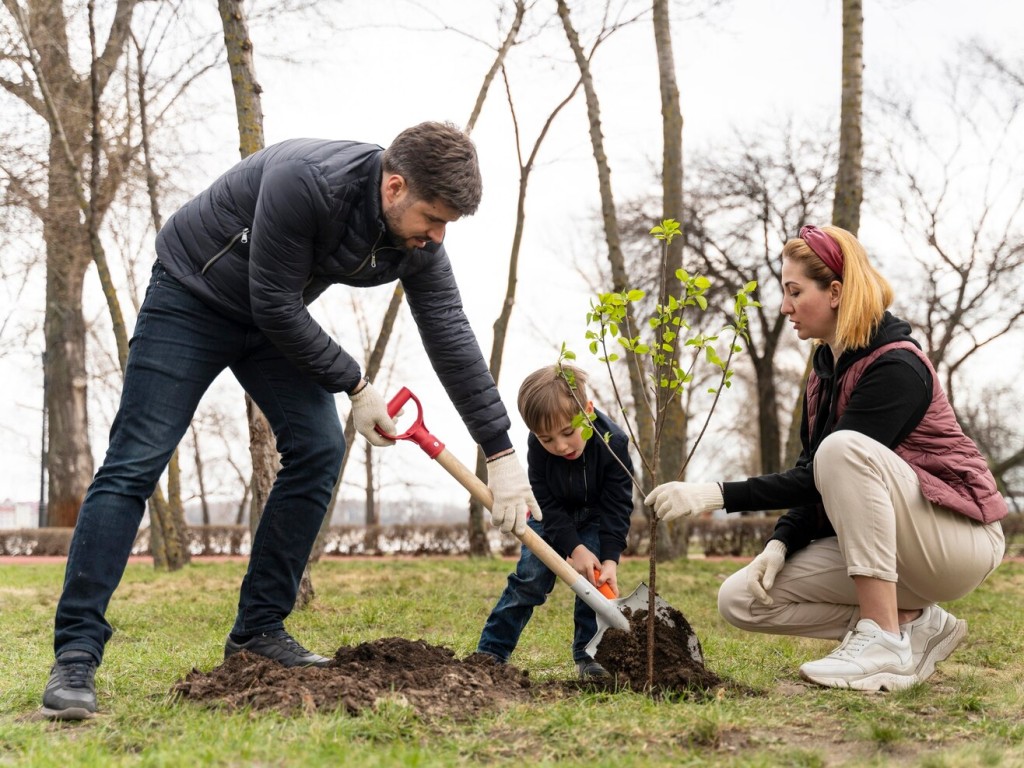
point(179, 347)
point(529, 587)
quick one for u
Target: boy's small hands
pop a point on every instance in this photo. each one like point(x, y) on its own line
point(607, 575)
point(584, 562)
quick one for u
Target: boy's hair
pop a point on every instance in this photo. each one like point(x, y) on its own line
point(545, 398)
point(437, 161)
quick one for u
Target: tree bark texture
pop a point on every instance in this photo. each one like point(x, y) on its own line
point(673, 430)
point(849, 180)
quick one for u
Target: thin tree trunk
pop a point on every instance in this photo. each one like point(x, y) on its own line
point(479, 544)
point(371, 538)
point(204, 501)
point(849, 179)
point(849, 192)
point(616, 258)
point(672, 432)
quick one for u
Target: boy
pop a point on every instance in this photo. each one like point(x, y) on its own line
point(585, 492)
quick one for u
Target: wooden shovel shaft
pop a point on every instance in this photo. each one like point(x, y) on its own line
point(577, 583)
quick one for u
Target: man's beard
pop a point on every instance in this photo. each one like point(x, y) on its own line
point(392, 217)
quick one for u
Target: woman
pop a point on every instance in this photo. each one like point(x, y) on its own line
point(892, 509)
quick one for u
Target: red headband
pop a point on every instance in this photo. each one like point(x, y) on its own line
point(824, 247)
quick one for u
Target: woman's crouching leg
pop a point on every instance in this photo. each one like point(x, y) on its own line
point(812, 597)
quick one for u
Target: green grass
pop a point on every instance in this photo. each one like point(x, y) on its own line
point(968, 714)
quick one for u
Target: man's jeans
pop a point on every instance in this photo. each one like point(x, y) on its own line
point(179, 347)
point(529, 587)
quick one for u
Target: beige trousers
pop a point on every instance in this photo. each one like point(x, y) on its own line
point(886, 529)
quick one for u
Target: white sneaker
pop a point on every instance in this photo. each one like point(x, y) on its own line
point(868, 659)
point(934, 635)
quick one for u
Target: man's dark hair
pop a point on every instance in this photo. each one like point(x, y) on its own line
point(437, 160)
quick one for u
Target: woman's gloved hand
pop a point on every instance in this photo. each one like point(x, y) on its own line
point(672, 500)
point(764, 568)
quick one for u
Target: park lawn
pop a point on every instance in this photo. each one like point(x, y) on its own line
point(970, 713)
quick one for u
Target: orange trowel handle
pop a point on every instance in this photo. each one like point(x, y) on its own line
point(606, 588)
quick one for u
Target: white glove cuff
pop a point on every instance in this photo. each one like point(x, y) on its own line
point(504, 467)
point(356, 397)
point(775, 547)
point(710, 495)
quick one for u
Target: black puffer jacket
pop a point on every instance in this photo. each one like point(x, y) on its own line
point(273, 232)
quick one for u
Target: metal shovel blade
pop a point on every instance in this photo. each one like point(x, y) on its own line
point(638, 601)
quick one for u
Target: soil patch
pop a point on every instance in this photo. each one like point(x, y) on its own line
point(431, 681)
point(411, 673)
point(678, 658)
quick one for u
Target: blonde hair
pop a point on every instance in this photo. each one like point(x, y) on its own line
point(545, 397)
point(866, 293)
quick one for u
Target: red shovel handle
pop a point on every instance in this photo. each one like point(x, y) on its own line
point(418, 432)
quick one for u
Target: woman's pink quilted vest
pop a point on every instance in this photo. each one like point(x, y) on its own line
point(952, 471)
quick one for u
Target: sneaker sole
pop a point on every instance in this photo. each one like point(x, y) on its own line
point(883, 681)
point(70, 713)
point(941, 650)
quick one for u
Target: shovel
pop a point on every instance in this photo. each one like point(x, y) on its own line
point(608, 609)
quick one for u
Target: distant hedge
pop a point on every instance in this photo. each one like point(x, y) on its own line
point(711, 537)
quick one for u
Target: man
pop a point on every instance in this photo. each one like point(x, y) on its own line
point(236, 268)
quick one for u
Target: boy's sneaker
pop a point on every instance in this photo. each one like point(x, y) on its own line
point(70, 692)
point(591, 670)
point(279, 646)
point(868, 659)
point(934, 635)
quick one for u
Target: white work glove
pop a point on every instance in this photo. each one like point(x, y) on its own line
point(368, 411)
point(512, 493)
point(764, 568)
point(672, 500)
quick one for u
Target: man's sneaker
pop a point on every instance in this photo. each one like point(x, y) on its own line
point(868, 659)
point(934, 635)
point(279, 646)
point(70, 692)
point(591, 670)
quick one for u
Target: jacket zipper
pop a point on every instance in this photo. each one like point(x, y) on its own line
point(242, 236)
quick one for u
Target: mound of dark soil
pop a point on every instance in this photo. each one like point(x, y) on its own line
point(432, 682)
point(678, 658)
point(428, 679)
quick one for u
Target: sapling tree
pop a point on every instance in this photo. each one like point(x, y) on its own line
point(666, 355)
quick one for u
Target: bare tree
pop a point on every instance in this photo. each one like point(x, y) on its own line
point(964, 224)
point(40, 52)
point(746, 202)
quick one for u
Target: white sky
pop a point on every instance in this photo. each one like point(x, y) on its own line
point(750, 66)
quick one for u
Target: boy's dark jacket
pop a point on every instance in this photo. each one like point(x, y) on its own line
point(593, 482)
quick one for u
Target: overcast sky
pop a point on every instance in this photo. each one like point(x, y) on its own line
point(751, 64)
